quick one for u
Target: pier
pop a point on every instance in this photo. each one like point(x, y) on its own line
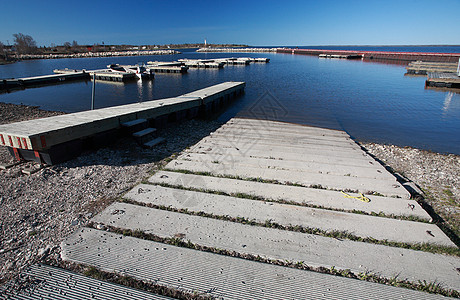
point(202, 63)
point(7, 84)
point(56, 139)
point(102, 74)
point(220, 62)
point(167, 67)
point(443, 80)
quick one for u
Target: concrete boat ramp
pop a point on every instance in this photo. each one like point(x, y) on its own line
point(264, 210)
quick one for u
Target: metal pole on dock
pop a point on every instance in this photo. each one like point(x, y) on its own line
point(94, 91)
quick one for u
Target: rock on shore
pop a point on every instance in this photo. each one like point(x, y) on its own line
point(438, 175)
point(37, 211)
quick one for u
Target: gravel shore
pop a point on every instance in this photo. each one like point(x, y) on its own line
point(38, 211)
point(438, 176)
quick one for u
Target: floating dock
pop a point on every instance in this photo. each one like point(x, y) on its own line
point(233, 61)
point(167, 67)
point(7, 84)
point(423, 68)
point(101, 74)
point(379, 55)
point(56, 139)
point(201, 63)
point(443, 80)
point(338, 56)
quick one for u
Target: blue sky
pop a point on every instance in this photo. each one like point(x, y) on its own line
point(295, 23)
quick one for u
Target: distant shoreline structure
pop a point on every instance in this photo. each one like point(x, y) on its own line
point(97, 54)
point(237, 50)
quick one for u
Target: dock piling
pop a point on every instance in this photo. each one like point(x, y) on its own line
point(93, 91)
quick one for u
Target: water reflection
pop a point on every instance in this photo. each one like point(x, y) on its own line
point(371, 101)
point(144, 90)
point(447, 101)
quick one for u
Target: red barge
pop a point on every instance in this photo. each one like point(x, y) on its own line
point(379, 55)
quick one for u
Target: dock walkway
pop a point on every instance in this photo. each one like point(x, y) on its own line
point(44, 137)
point(101, 74)
point(443, 80)
point(15, 83)
point(228, 215)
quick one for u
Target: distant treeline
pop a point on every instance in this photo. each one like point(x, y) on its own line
point(25, 44)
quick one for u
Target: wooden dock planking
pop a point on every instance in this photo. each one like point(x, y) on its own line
point(43, 134)
point(168, 69)
point(423, 68)
point(443, 80)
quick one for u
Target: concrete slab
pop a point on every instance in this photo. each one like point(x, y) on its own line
point(56, 130)
point(291, 215)
point(277, 124)
point(272, 243)
point(292, 154)
point(246, 146)
point(274, 126)
point(280, 135)
point(46, 282)
point(365, 170)
point(216, 275)
point(317, 197)
point(286, 141)
point(363, 185)
point(294, 129)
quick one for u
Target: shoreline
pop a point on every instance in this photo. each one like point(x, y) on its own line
point(39, 210)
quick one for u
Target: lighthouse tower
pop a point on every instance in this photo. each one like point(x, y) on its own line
point(205, 43)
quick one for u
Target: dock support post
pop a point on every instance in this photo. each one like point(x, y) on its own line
point(94, 91)
point(458, 68)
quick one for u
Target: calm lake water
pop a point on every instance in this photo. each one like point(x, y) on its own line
point(371, 101)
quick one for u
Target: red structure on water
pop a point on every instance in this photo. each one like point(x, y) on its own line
point(379, 55)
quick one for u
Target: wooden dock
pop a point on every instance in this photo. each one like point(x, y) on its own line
point(423, 68)
point(202, 63)
point(233, 61)
point(15, 83)
point(443, 80)
point(167, 67)
point(56, 139)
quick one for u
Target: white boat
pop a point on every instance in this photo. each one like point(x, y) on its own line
point(140, 70)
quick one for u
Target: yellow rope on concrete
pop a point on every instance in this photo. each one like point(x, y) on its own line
point(361, 197)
